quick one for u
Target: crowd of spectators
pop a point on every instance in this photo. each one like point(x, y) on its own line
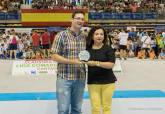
point(10, 5)
point(112, 6)
point(123, 6)
point(15, 5)
point(59, 4)
point(14, 45)
point(126, 43)
point(140, 44)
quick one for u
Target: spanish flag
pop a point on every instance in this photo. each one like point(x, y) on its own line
point(42, 17)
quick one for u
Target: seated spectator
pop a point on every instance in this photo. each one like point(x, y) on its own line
point(131, 54)
point(39, 55)
point(141, 54)
point(162, 54)
point(117, 53)
point(152, 54)
point(134, 7)
point(1, 7)
point(2, 56)
point(33, 56)
point(28, 53)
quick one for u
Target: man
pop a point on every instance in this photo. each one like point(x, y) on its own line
point(123, 38)
point(70, 82)
point(45, 41)
point(35, 41)
point(146, 43)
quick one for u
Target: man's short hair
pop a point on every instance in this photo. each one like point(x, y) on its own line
point(77, 12)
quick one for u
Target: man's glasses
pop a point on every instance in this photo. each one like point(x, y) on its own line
point(78, 18)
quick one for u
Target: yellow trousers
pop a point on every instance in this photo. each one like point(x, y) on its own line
point(101, 97)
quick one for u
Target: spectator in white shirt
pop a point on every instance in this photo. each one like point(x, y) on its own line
point(146, 43)
point(123, 37)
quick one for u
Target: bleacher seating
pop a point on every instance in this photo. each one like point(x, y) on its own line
point(121, 16)
point(9, 16)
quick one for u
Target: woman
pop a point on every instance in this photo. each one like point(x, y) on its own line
point(13, 41)
point(101, 79)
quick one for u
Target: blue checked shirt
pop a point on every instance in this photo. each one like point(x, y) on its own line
point(69, 45)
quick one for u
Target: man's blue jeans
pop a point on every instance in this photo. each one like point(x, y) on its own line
point(69, 96)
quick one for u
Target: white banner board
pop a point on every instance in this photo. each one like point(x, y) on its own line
point(42, 67)
point(34, 67)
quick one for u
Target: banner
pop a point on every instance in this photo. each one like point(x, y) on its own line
point(43, 67)
point(34, 68)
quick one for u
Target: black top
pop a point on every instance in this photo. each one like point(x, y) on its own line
point(98, 75)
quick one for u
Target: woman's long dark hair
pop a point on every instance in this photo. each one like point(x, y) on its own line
point(90, 41)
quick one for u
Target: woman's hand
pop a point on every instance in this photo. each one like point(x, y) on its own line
point(91, 63)
point(106, 65)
